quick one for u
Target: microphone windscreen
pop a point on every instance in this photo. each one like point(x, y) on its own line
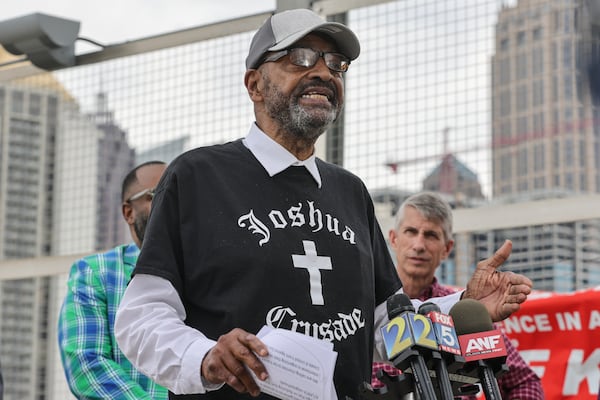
point(397, 304)
point(470, 316)
point(428, 307)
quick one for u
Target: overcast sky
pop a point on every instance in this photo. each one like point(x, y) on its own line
point(115, 21)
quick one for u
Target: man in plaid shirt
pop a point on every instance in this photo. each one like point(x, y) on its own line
point(94, 366)
point(421, 240)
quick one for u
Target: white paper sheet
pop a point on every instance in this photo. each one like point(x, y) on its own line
point(300, 367)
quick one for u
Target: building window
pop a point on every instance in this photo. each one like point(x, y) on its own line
point(555, 121)
point(568, 120)
point(567, 54)
point(504, 72)
point(568, 87)
point(579, 88)
point(556, 154)
point(17, 102)
point(579, 51)
point(568, 154)
point(522, 66)
point(538, 93)
point(35, 104)
point(522, 98)
point(520, 38)
point(505, 131)
point(522, 128)
point(569, 181)
point(537, 61)
point(538, 157)
point(505, 103)
point(538, 124)
point(567, 21)
point(506, 167)
point(522, 162)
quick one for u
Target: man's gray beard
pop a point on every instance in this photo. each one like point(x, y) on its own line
point(304, 125)
point(293, 118)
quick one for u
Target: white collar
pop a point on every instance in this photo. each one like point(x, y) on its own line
point(275, 158)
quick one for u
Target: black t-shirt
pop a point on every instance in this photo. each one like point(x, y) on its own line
point(243, 249)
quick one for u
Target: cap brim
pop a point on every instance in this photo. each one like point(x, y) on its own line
point(346, 41)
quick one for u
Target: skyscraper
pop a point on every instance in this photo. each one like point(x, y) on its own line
point(545, 137)
point(115, 159)
point(545, 125)
point(28, 131)
point(60, 176)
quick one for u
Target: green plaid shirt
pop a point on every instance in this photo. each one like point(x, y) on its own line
point(94, 366)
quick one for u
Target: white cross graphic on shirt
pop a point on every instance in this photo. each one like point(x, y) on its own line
point(313, 264)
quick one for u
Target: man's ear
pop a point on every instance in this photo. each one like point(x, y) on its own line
point(254, 84)
point(392, 236)
point(449, 246)
point(127, 212)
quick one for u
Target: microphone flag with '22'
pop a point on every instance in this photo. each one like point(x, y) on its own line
point(482, 346)
point(448, 353)
point(407, 337)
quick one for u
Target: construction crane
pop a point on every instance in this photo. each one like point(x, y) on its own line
point(447, 166)
point(394, 165)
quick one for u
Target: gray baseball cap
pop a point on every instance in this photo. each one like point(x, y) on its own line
point(283, 29)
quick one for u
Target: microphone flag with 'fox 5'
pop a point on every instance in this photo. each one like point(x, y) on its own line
point(447, 341)
point(443, 326)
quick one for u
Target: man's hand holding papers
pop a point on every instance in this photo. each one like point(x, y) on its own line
point(300, 367)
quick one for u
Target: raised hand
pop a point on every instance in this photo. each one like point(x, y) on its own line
point(501, 292)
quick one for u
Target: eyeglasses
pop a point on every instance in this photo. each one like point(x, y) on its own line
point(146, 192)
point(307, 58)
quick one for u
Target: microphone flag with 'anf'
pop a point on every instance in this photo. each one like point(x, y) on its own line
point(482, 346)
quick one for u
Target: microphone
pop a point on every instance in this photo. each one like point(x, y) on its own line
point(448, 346)
point(482, 346)
point(404, 337)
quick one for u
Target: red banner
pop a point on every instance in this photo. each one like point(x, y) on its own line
point(558, 334)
